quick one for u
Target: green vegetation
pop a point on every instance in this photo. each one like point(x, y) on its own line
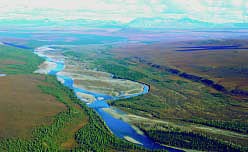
point(18, 61)
point(92, 136)
point(78, 128)
point(216, 119)
point(121, 71)
point(176, 99)
point(96, 136)
point(227, 68)
point(172, 98)
point(241, 127)
point(23, 106)
point(101, 59)
point(50, 137)
point(190, 140)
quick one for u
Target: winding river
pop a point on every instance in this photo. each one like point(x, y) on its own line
point(119, 127)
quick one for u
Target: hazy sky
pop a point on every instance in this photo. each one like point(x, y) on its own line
point(125, 10)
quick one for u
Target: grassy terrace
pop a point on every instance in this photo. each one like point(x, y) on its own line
point(23, 106)
point(176, 109)
point(186, 111)
point(213, 65)
point(175, 99)
point(78, 128)
point(18, 61)
point(74, 128)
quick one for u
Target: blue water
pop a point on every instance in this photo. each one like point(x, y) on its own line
point(211, 48)
point(145, 91)
point(60, 37)
point(121, 129)
point(117, 126)
point(16, 45)
point(59, 67)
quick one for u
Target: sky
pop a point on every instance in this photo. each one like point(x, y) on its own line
point(216, 11)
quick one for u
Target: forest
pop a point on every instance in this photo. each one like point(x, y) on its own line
point(179, 93)
point(94, 135)
point(78, 128)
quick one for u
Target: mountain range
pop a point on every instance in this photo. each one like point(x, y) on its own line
point(141, 23)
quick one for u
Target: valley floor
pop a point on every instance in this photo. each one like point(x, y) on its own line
point(178, 111)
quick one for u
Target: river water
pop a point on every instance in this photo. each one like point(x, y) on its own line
point(119, 127)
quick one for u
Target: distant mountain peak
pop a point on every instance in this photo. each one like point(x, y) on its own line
point(160, 22)
point(181, 23)
point(138, 23)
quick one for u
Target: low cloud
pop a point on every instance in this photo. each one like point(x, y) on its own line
point(125, 10)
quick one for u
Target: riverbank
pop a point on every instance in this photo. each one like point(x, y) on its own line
point(45, 67)
point(119, 127)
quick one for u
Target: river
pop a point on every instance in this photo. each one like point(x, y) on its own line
point(118, 127)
